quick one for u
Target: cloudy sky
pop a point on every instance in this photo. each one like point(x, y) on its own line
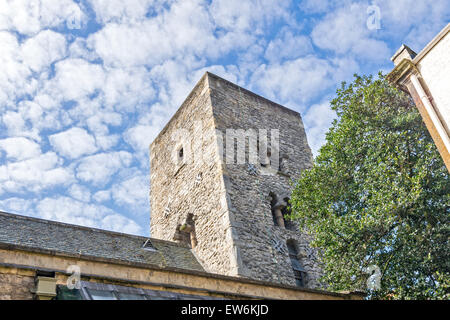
point(85, 85)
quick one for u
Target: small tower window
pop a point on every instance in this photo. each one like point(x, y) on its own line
point(180, 153)
point(299, 271)
point(273, 201)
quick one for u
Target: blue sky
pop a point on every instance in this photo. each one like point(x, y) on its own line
point(85, 86)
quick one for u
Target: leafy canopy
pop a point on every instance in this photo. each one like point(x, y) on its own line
point(378, 195)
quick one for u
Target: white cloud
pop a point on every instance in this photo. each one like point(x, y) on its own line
point(75, 79)
point(184, 27)
point(247, 15)
point(43, 49)
point(17, 205)
point(106, 142)
point(413, 22)
point(14, 76)
point(317, 121)
point(288, 46)
point(31, 16)
point(141, 136)
point(80, 193)
point(133, 193)
point(80, 49)
point(102, 195)
point(122, 11)
point(100, 168)
point(34, 174)
point(117, 222)
point(294, 81)
point(99, 123)
point(345, 31)
point(73, 143)
point(30, 117)
point(127, 89)
point(68, 210)
point(19, 148)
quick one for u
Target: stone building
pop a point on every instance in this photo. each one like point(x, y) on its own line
point(426, 77)
point(221, 174)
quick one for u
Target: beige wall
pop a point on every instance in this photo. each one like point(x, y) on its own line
point(426, 76)
point(435, 70)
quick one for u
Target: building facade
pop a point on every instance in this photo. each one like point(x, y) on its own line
point(426, 77)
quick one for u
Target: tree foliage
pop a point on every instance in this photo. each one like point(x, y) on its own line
point(378, 195)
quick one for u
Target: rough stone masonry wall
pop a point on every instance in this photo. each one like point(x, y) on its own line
point(16, 285)
point(195, 187)
point(261, 244)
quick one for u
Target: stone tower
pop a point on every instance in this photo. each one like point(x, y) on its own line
point(221, 173)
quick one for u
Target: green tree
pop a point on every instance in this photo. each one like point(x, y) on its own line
point(378, 195)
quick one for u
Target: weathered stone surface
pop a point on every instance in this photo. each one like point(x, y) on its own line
point(16, 287)
point(231, 203)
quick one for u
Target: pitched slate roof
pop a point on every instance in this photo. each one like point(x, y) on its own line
point(53, 237)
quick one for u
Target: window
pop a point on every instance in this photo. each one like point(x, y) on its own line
point(113, 295)
point(273, 201)
point(130, 296)
point(299, 272)
point(101, 295)
point(147, 245)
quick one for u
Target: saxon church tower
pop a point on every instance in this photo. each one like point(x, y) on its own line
point(221, 177)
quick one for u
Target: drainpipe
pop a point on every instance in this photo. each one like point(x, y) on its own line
point(431, 112)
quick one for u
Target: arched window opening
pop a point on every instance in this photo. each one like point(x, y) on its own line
point(273, 201)
point(299, 271)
